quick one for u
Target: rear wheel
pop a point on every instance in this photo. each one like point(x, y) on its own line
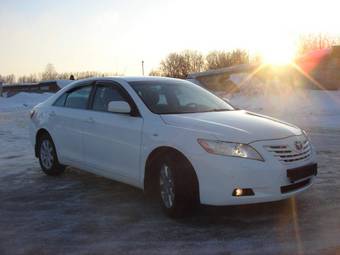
point(48, 157)
point(177, 187)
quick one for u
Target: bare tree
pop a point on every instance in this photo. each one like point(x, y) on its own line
point(85, 74)
point(220, 59)
point(194, 61)
point(311, 42)
point(171, 65)
point(239, 57)
point(50, 73)
point(179, 65)
point(155, 72)
point(32, 78)
point(8, 79)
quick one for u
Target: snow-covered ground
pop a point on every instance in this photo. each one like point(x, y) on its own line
point(22, 101)
point(80, 213)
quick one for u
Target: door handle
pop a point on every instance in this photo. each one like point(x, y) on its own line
point(90, 120)
point(52, 114)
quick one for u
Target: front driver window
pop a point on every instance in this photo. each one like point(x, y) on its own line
point(78, 98)
point(61, 100)
point(104, 95)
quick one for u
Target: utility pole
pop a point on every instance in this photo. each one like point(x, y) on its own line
point(143, 67)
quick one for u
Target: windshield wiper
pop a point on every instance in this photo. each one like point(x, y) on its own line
point(212, 110)
point(219, 110)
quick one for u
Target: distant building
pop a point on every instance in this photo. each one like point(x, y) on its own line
point(41, 87)
point(323, 66)
point(220, 79)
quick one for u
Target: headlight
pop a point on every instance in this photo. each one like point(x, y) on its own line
point(230, 149)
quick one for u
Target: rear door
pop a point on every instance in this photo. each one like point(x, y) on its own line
point(67, 118)
point(112, 141)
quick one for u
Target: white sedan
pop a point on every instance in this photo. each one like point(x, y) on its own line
point(173, 139)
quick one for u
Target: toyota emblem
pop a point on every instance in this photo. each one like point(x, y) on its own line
point(298, 145)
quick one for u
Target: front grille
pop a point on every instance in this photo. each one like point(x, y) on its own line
point(286, 154)
point(295, 186)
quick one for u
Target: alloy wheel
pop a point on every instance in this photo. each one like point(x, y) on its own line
point(46, 154)
point(167, 186)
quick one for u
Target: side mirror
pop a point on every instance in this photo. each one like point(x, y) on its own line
point(119, 107)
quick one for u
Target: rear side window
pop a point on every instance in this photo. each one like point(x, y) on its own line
point(78, 98)
point(105, 94)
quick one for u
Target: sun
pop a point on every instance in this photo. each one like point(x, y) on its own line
point(277, 57)
point(278, 53)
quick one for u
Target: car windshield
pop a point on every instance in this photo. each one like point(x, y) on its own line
point(177, 96)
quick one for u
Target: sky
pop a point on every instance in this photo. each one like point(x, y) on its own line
point(115, 36)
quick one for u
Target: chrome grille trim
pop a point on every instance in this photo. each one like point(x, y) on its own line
point(286, 154)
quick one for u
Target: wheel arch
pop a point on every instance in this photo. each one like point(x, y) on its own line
point(149, 169)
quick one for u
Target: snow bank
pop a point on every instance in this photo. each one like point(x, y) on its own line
point(22, 101)
point(302, 107)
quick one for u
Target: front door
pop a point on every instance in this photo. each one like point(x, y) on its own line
point(112, 141)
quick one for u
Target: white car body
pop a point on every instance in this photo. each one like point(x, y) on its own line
point(117, 146)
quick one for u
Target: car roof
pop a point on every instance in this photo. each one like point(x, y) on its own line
point(145, 78)
point(130, 78)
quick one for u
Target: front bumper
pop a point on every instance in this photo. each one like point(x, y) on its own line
point(219, 176)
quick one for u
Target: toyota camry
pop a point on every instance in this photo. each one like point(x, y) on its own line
point(173, 139)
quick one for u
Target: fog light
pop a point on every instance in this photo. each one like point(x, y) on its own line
point(238, 192)
point(243, 192)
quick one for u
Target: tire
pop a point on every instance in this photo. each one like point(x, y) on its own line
point(48, 156)
point(177, 186)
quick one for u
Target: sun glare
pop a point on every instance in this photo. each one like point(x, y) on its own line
point(278, 54)
point(277, 58)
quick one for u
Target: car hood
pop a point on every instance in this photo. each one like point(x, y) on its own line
point(233, 126)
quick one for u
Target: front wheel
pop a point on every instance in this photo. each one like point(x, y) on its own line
point(177, 187)
point(48, 157)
